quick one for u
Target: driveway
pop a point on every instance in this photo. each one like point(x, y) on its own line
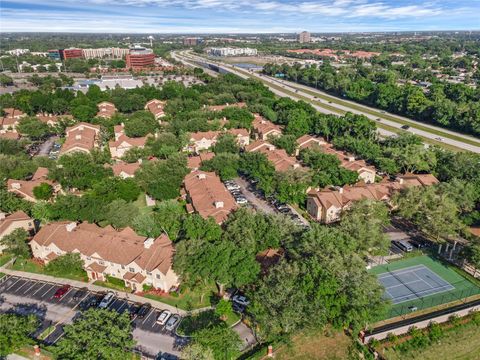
point(258, 203)
point(29, 296)
point(246, 335)
point(46, 146)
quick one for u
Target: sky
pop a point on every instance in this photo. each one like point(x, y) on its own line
point(237, 16)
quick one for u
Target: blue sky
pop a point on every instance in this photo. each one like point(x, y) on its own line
point(237, 16)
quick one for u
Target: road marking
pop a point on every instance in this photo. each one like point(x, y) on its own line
point(125, 303)
point(13, 284)
point(148, 315)
point(113, 302)
point(39, 288)
point(34, 284)
point(45, 293)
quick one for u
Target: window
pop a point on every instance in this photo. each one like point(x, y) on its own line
point(123, 267)
point(131, 269)
point(149, 273)
point(101, 262)
point(89, 258)
point(158, 276)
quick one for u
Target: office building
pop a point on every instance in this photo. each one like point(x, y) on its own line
point(304, 37)
point(227, 51)
point(140, 57)
point(115, 53)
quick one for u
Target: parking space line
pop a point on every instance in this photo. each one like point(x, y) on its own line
point(125, 303)
point(148, 315)
point(50, 288)
point(66, 294)
point(39, 288)
point(34, 283)
point(113, 302)
point(13, 284)
point(21, 286)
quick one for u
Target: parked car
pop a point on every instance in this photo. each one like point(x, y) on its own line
point(144, 310)
point(439, 139)
point(404, 245)
point(61, 292)
point(240, 299)
point(405, 127)
point(163, 317)
point(80, 294)
point(172, 322)
point(133, 310)
point(241, 200)
point(91, 301)
point(107, 299)
point(238, 308)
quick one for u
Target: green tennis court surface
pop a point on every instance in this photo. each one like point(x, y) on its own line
point(421, 282)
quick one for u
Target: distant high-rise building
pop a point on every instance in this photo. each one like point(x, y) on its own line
point(191, 41)
point(140, 57)
point(304, 37)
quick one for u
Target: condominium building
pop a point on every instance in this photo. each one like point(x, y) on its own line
point(81, 137)
point(12, 222)
point(135, 259)
point(304, 37)
point(24, 188)
point(139, 57)
point(112, 52)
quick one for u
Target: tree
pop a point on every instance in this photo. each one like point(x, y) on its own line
point(44, 191)
point(96, 334)
point(84, 112)
point(286, 142)
point(195, 351)
point(16, 243)
point(221, 340)
point(223, 309)
point(168, 216)
point(291, 186)
point(471, 253)
point(164, 145)
point(66, 264)
point(115, 188)
point(365, 222)
point(298, 123)
point(120, 214)
point(33, 128)
point(78, 170)
point(224, 164)
point(140, 123)
point(226, 143)
point(15, 332)
point(195, 227)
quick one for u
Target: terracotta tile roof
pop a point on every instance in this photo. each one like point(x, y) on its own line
point(264, 127)
point(127, 168)
point(473, 229)
point(106, 109)
point(130, 142)
point(208, 195)
point(239, 132)
point(155, 107)
point(194, 162)
point(9, 219)
point(24, 188)
point(258, 144)
point(119, 247)
point(209, 135)
point(50, 118)
point(278, 157)
point(51, 256)
point(221, 107)
point(347, 161)
point(307, 141)
point(11, 117)
point(96, 267)
point(81, 136)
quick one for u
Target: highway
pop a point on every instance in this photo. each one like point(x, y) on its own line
point(388, 124)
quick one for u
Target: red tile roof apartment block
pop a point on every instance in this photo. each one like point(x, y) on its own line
point(194, 162)
point(125, 170)
point(80, 137)
point(326, 205)
point(308, 141)
point(9, 223)
point(135, 259)
point(278, 157)
point(156, 108)
point(24, 188)
point(51, 119)
point(208, 196)
point(10, 120)
point(106, 109)
point(123, 143)
point(204, 140)
point(262, 128)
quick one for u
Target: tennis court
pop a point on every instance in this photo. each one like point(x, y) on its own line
point(412, 283)
point(422, 282)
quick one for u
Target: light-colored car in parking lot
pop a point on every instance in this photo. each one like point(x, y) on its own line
point(172, 322)
point(163, 317)
point(240, 299)
point(107, 299)
point(241, 200)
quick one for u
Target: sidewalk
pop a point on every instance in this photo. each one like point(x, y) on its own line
point(94, 288)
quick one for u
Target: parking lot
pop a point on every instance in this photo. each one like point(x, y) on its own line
point(25, 296)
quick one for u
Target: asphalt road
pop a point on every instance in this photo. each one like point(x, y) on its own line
point(299, 91)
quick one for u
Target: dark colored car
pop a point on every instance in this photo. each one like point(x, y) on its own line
point(405, 127)
point(80, 294)
point(61, 292)
point(133, 310)
point(91, 301)
point(144, 310)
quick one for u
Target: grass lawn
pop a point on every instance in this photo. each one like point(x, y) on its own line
point(141, 203)
point(189, 299)
point(30, 266)
point(4, 258)
point(315, 345)
point(464, 285)
point(113, 283)
point(460, 344)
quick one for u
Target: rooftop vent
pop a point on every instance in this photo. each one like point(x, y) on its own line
point(71, 226)
point(202, 176)
point(218, 204)
point(148, 243)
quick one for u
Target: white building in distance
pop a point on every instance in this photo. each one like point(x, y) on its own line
point(227, 51)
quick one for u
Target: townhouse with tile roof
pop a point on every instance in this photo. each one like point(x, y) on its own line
point(156, 108)
point(204, 140)
point(278, 157)
point(208, 196)
point(24, 188)
point(82, 137)
point(263, 128)
point(123, 143)
point(10, 120)
point(17, 220)
point(326, 205)
point(106, 109)
point(124, 255)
